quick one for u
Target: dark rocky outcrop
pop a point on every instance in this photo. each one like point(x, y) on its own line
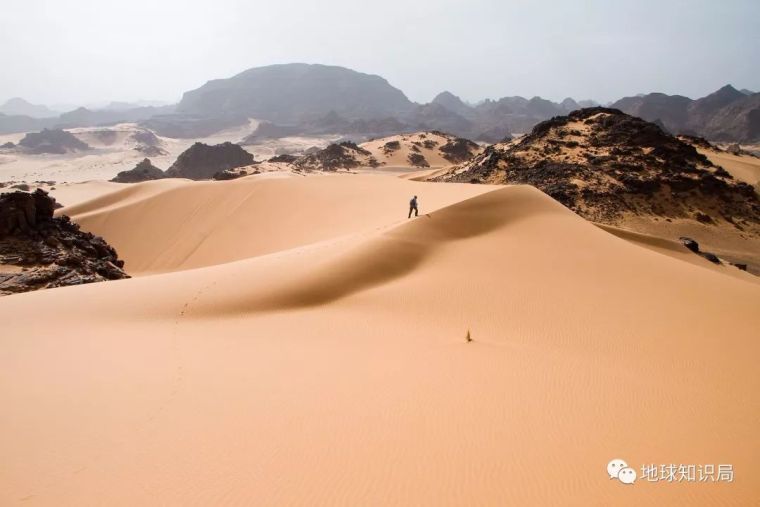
point(285, 157)
point(693, 246)
point(233, 174)
point(51, 141)
point(606, 165)
point(40, 251)
point(418, 160)
point(202, 162)
point(144, 171)
point(345, 155)
point(458, 150)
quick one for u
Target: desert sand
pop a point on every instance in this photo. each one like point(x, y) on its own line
point(113, 150)
point(400, 157)
point(298, 341)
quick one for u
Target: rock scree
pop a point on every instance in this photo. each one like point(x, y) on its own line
point(38, 250)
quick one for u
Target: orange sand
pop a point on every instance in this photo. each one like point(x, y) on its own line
point(328, 364)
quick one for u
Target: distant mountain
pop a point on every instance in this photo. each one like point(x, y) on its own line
point(747, 92)
point(453, 104)
point(671, 110)
point(702, 110)
point(83, 117)
point(20, 107)
point(125, 106)
point(569, 104)
point(727, 114)
point(10, 124)
point(297, 92)
point(738, 121)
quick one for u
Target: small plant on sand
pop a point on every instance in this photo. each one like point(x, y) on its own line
point(468, 338)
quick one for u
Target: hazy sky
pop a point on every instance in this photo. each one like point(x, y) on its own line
point(84, 51)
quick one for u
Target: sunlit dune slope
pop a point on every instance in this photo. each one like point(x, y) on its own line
point(170, 225)
point(338, 372)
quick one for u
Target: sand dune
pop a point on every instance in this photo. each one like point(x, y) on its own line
point(169, 225)
point(399, 157)
point(335, 370)
point(742, 167)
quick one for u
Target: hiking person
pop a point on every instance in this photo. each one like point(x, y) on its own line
point(413, 207)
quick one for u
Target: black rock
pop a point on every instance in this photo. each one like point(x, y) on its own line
point(144, 171)
point(690, 244)
point(202, 162)
point(53, 250)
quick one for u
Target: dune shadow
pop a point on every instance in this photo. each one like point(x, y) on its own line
point(395, 254)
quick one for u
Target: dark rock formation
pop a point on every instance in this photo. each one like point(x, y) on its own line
point(285, 157)
point(51, 141)
point(458, 150)
point(39, 251)
point(8, 146)
point(346, 155)
point(605, 165)
point(202, 162)
point(418, 160)
point(233, 174)
point(391, 146)
point(144, 171)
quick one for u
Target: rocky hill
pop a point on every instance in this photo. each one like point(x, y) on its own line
point(51, 141)
point(202, 162)
point(419, 149)
point(144, 171)
point(39, 251)
point(345, 155)
point(295, 93)
point(605, 165)
point(18, 106)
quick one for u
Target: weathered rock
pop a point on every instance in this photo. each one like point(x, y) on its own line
point(459, 150)
point(690, 244)
point(284, 157)
point(202, 162)
point(607, 166)
point(345, 155)
point(53, 252)
point(418, 160)
point(54, 141)
point(710, 257)
point(144, 171)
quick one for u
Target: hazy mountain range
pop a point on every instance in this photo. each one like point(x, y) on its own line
point(313, 99)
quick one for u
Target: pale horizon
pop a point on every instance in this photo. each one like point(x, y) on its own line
point(82, 53)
